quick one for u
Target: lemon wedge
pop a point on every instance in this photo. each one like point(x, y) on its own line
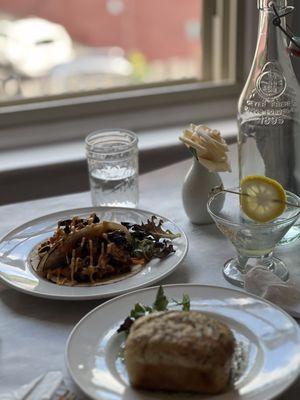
point(264, 198)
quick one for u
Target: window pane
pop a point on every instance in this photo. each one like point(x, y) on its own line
point(60, 46)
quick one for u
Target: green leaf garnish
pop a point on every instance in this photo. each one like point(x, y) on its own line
point(154, 228)
point(161, 302)
point(140, 310)
point(185, 302)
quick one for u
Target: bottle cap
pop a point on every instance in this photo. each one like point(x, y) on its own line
point(279, 4)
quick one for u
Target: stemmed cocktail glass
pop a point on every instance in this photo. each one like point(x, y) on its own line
point(254, 241)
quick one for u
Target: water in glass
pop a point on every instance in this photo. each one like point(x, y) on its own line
point(117, 185)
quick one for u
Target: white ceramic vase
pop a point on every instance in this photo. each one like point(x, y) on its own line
point(195, 192)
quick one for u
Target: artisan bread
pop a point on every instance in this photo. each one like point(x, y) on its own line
point(179, 351)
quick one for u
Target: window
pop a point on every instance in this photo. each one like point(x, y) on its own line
point(97, 45)
point(62, 60)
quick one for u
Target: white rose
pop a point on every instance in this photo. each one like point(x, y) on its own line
point(211, 149)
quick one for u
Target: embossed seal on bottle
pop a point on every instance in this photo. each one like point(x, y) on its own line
point(271, 83)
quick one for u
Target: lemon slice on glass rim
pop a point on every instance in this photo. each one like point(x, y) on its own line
point(263, 199)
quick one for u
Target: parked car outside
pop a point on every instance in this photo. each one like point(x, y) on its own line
point(94, 68)
point(33, 46)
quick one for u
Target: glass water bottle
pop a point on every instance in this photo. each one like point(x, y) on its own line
point(268, 108)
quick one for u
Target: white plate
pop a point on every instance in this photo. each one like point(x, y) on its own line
point(16, 269)
point(271, 336)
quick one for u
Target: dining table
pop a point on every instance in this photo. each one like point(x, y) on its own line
point(34, 331)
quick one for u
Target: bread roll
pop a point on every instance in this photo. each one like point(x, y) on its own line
point(179, 351)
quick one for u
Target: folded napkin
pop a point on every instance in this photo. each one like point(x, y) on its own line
point(264, 283)
point(49, 386)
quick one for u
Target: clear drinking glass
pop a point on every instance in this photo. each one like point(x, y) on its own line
point(253, 241)
point(112, 157)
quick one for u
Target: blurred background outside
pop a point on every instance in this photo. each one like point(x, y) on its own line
point(53, 47)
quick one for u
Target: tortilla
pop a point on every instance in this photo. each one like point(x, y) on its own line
point(34, 261)
point(63, 252)
point(89, 252)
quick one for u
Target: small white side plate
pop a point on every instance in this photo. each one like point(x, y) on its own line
point(271, 336)
point(16, 269)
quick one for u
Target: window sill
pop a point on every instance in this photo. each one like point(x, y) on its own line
point(60, 153)
point(61, 168)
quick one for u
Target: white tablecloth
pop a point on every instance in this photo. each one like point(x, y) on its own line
point(33, 331)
